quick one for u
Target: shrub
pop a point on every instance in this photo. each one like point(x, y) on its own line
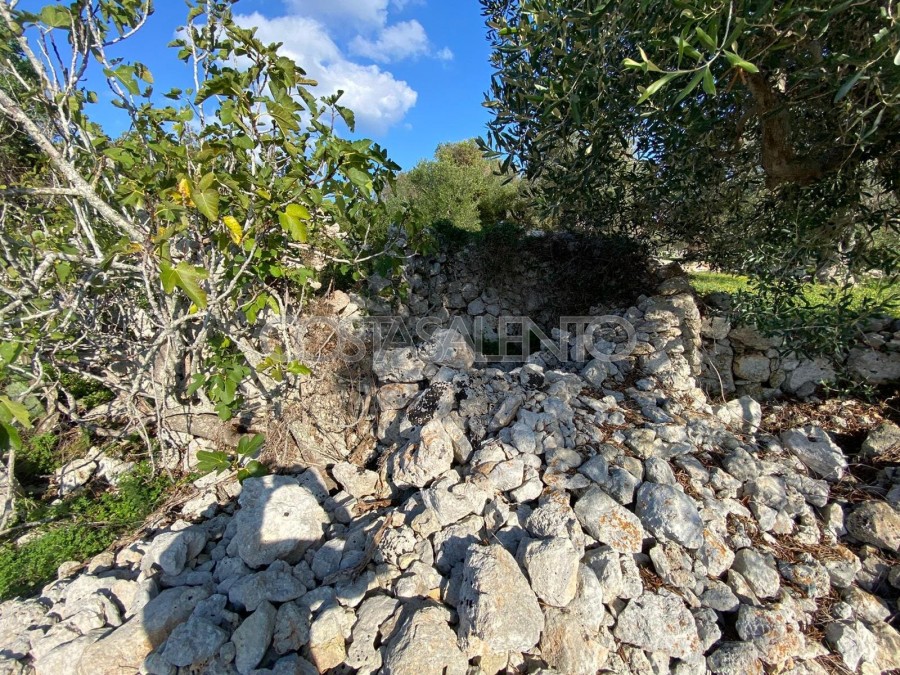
point(459, 193)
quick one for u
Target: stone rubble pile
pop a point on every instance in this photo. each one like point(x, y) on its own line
point(546, 518)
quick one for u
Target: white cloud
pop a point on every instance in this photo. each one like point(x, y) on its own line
point(360, 13)
point(378, 98)
point(399, 41)
point(445, 54)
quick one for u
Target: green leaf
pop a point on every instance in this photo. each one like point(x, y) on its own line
point(56, 16)
point(656, 86)
point(695, 80)
point(292, 220)
point(684, 47)
point(848, 85)
point(704, 37)
point(9, 352)
point(359, 178)
point(297, 211)
point(186, 277)
point(243, 142)
point(737, 62)
point(207, 202)
point(9, 437)
point(209, 461)
point(254, 469)
point(206, 181)
point(297, 368)
point(16, 410)
point(284, 114)
point(197, 381)
point(709, 82)
point(248, 445)
point(631, 63)
point(125, 75)
point(348, 116)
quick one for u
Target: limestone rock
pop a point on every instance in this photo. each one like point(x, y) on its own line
point(813, 446)
point(497, 607)
point(659, 623)
point(609, 522)
point(552, 566)
point(759, 571)
point(291, 630)
point(668, 513)
point(804, 379)
point(170, 551)
point(418, 465)
point(424, 643)
point(399, 365)
point(853, 641)
point(882, 440)
point(252, 638)
point(875, 523)
point(327, 646)
point(395, 396)
point(875, 367)
point(735, 658)
point(278, 520)
point(448, 347)
point(356, 481)
point(752, 367)
point(568, 647)
point(193, 642)
point(125, 648)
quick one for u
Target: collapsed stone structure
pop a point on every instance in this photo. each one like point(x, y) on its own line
point(550, 517)
point(736, 360)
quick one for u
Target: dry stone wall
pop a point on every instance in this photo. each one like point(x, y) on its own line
point(739, 360)
point(551, 516)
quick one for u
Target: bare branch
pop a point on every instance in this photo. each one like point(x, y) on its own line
point(12, 110)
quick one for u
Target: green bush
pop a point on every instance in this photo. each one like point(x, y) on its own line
point(89, 392)
point(457, 193)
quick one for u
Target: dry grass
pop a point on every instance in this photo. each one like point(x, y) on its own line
point(652, 580)
point(684, 480)
point(330, 418)
point(833, 664)
point(842, 417)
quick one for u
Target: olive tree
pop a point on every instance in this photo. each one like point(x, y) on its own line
point(146, 262)
point(763, 136)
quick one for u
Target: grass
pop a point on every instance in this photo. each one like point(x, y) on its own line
point(718, 282)
point(813, 293)
point(79, 528)
point(38, 457)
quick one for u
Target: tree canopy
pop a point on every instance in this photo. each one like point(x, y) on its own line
point(459, 190)
point(763, 136)
point(148, 262)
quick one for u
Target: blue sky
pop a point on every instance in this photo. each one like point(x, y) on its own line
point(414, 71)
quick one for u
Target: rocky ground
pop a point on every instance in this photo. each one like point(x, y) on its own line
point(568, 518)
